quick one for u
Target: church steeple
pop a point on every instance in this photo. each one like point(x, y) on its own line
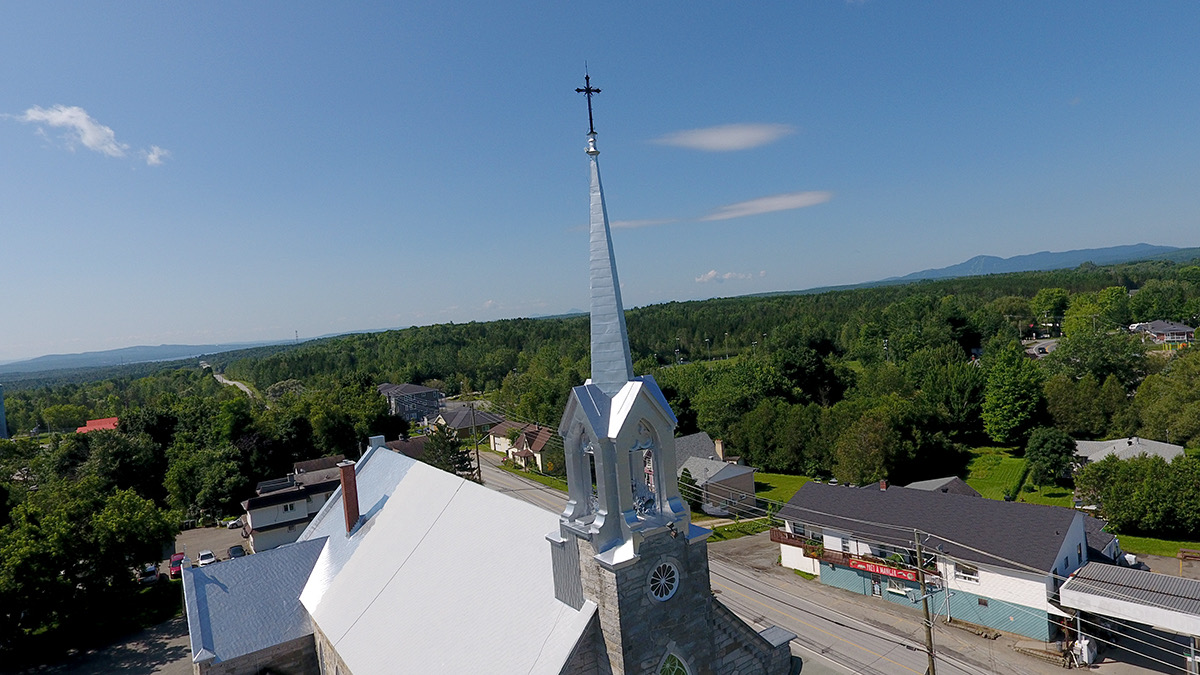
point(625, 542)
point(612, 364)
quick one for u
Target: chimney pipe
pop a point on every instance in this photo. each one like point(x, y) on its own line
point(349, 494)
point(883, 484)
point(719, 446)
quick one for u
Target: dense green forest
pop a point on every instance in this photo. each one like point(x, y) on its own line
point(897, 382)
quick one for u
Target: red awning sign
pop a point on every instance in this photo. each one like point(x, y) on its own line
point(873, 568)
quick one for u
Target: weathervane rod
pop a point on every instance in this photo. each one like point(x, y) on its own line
point(587, 90)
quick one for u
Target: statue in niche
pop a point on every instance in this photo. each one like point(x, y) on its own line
point(641, 465)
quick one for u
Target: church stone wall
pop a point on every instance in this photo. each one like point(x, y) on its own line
point(639, 630)
point(328, 660)
point(294, 657)
point(590, 656)
point(742, 651)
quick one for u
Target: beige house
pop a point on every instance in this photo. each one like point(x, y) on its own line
point(522, 443)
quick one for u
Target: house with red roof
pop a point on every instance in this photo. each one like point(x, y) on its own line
point(108, 423)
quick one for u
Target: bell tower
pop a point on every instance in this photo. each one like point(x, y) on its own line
point(625, 539)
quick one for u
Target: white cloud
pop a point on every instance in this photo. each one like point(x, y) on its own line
point(713, 275)
point(489, 304)
point(155, 155)
point(727, 137)
point(630, 224)
point(81, 128)
point(783, 202)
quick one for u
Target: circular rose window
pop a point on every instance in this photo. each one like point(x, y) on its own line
point(664, 581)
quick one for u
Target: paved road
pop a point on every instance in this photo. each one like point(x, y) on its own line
point(228, 382)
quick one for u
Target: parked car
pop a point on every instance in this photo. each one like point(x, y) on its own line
point(206, 557)
point(175, 569)
point(237, 551)
point(234, 524)
point(149, 574)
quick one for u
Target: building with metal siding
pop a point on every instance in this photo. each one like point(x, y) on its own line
point(995, 564)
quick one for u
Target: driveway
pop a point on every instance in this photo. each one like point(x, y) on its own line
point(161, 649)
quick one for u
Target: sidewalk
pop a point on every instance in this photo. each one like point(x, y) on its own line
point(990, 656)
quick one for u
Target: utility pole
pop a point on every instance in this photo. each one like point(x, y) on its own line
point(475, 433)
point(925, 604)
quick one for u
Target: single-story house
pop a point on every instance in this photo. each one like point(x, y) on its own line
point(726, 486)
point(411, 401)
point(283, 507)
point(1125, 448)
point(1165, 332)
point(990, 563)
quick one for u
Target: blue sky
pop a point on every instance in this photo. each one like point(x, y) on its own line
point(217, 172)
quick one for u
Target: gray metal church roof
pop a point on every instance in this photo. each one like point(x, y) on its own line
point(242, 605)
point(428, 567)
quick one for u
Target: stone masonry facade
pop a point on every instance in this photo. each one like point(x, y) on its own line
point(636, 631)
point(294, 657)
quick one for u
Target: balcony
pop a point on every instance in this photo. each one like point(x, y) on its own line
point(811, 549)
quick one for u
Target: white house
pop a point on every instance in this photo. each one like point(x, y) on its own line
point(992, 563)
point(283, 507)
point(1125, 448)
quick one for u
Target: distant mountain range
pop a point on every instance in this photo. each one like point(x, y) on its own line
point(119, 357)
point(1040, 262)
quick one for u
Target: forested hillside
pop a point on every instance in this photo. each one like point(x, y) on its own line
point(900, 382)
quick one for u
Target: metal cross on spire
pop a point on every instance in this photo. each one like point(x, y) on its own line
point(587, 90)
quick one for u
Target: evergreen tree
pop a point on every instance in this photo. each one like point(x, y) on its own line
point(444, 451)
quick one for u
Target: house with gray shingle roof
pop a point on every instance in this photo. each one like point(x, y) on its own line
point(950, 484)
point(992, 563)
point(1125, 448)
point(726, 487)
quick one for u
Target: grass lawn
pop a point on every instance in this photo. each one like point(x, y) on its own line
point(993, 471)
point(735, 530)
point(777, 486)
point(1052, 496)
point(1151, 546)
point(549, 481)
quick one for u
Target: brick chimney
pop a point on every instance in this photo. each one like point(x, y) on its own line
point(719, 445)
point(349, 494)
point(883, 484)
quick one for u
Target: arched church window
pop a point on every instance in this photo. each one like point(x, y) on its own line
point(672, 665)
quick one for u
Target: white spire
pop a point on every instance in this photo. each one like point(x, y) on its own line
point(612, 365)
